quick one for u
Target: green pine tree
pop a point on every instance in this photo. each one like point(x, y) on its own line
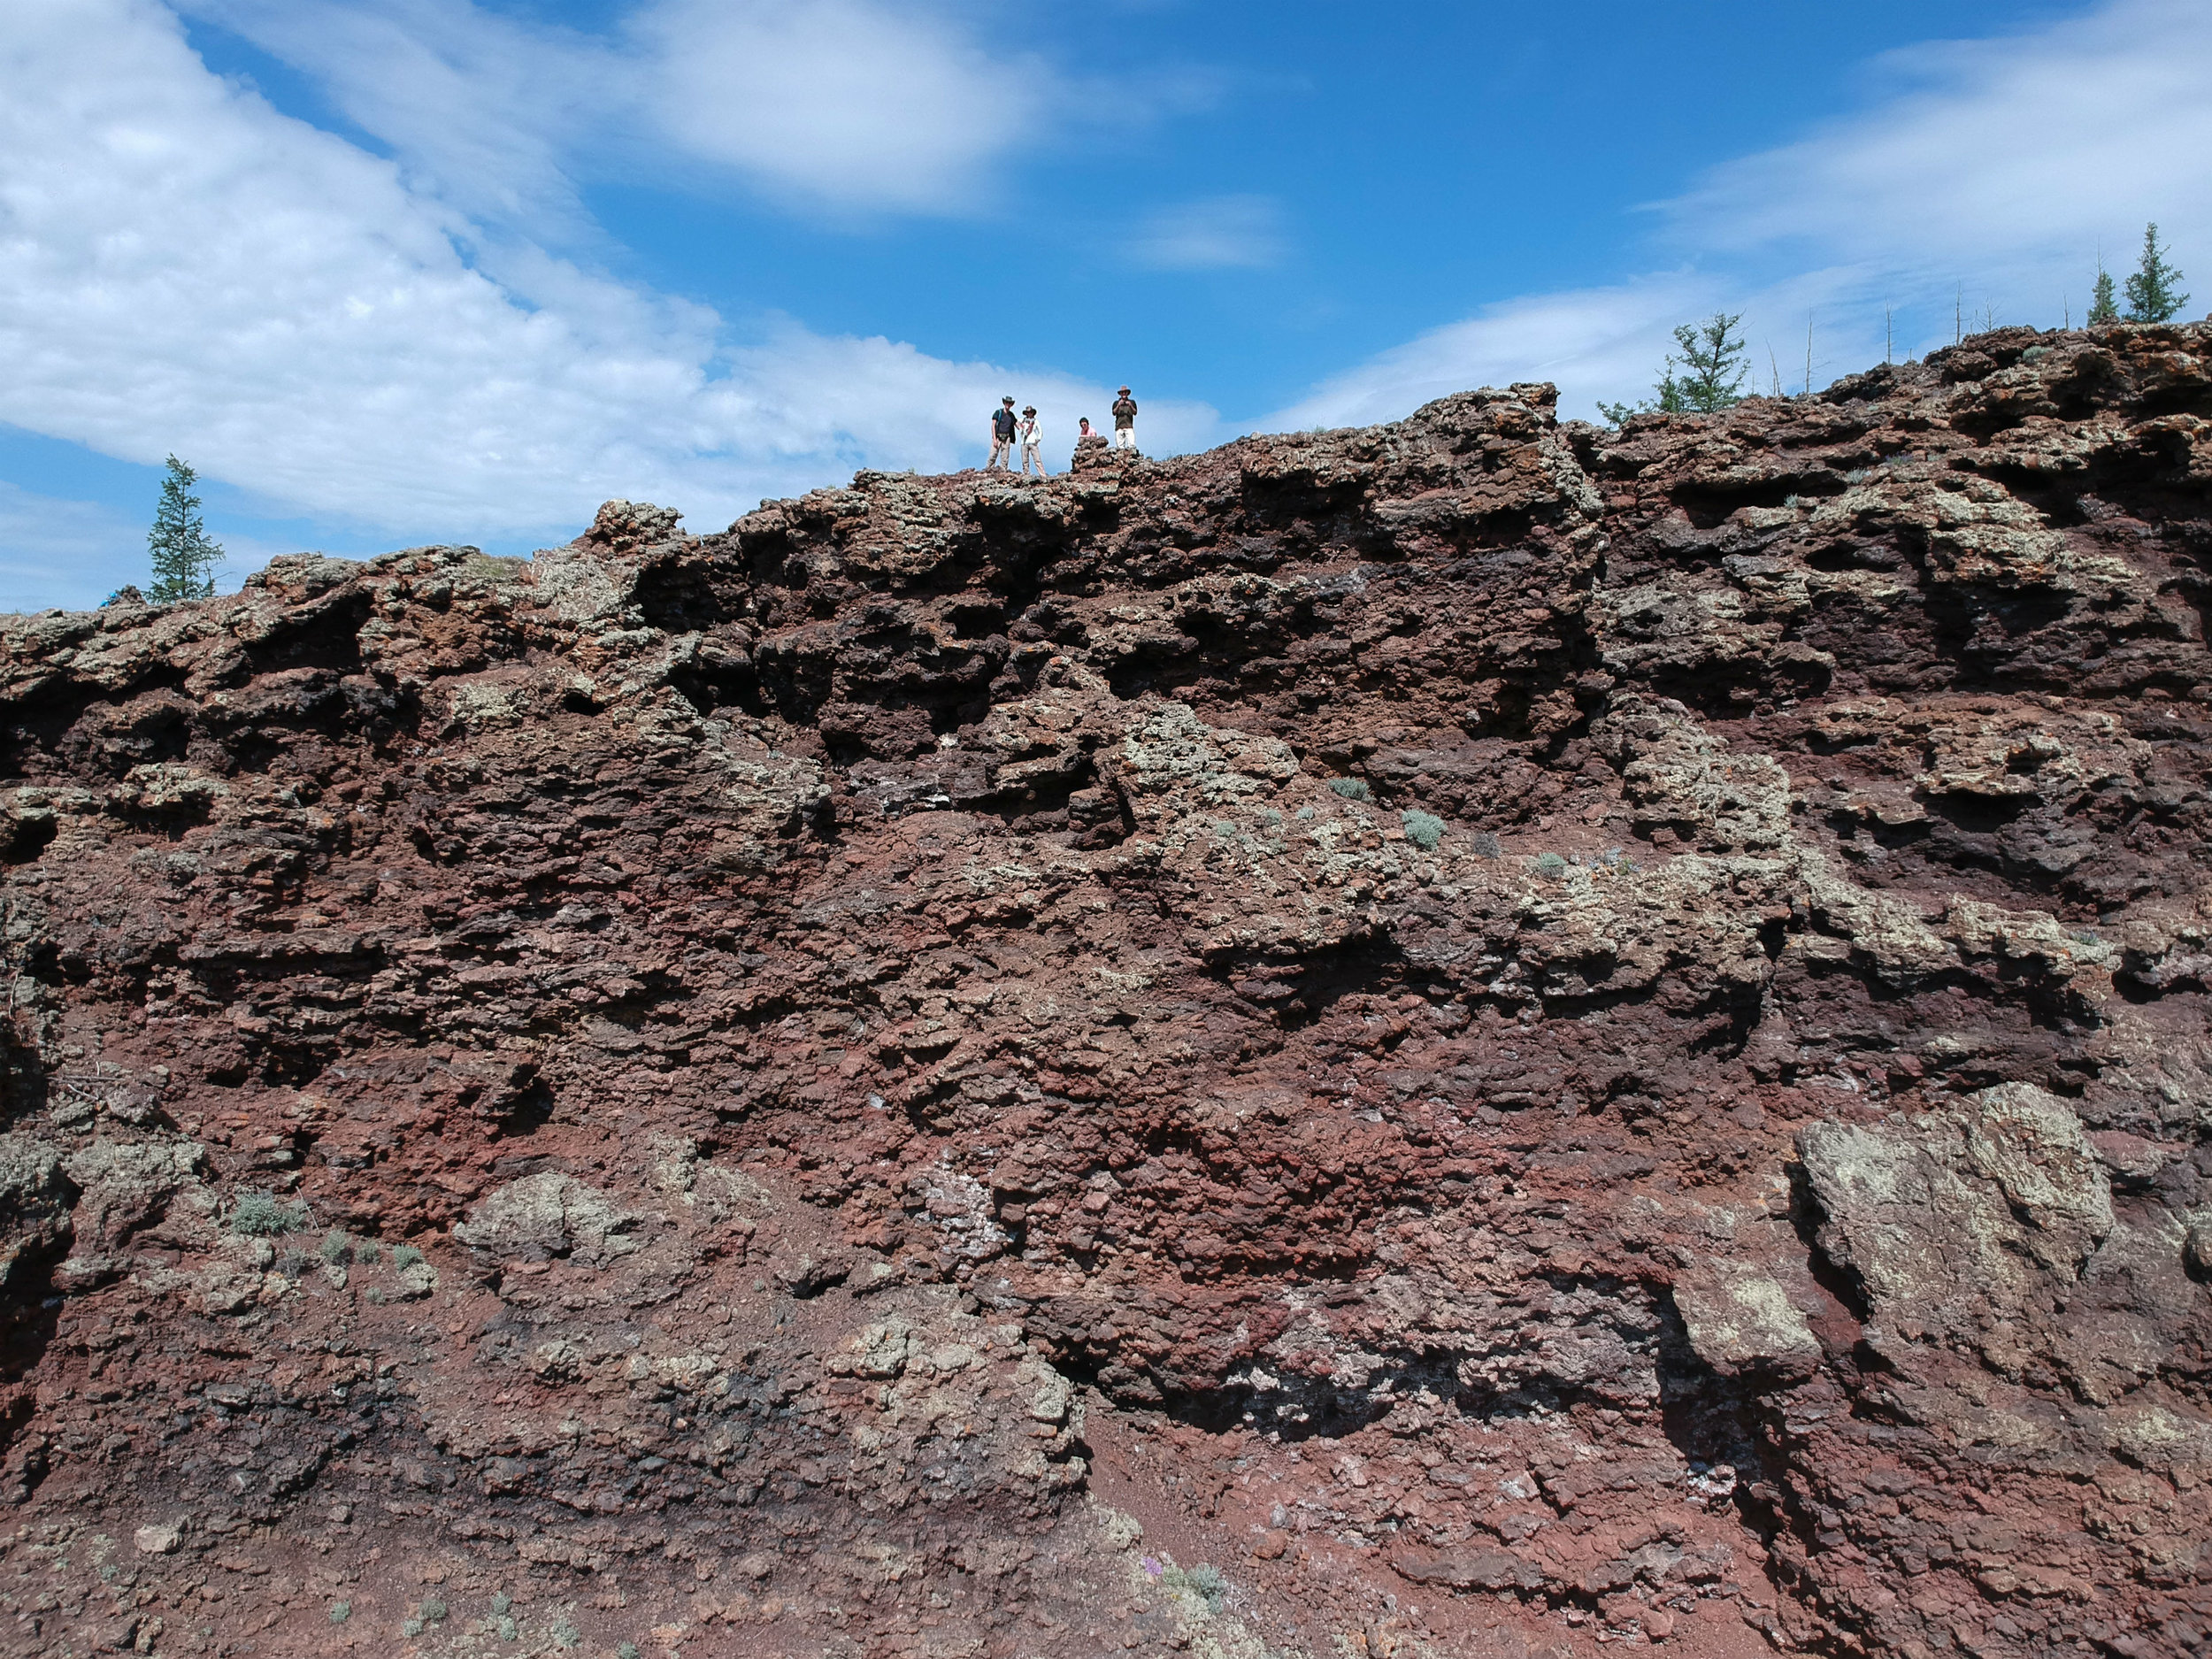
point(2102, 307)
point(184, 559)
point(1708, 375)
point(2153, 293)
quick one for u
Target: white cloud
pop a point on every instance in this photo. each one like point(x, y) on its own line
point(845, 101)
point(181, 267)
point(64, 553)
point(1992, 153)
point(1608, 335)
point(840, 106)
point(477, 107)
point(1985, 178)
point(1225, 231)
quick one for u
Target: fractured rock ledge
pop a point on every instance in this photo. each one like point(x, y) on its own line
point(1472, 1037)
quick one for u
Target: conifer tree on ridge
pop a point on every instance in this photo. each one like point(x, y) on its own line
point(183, 557)
point(1711, 374)
point(2103, 307)
point(2154, 292)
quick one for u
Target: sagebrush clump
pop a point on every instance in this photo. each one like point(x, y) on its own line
point(1203, 1581)
point(1352, 788)
point(265, 1216)
point(1423, 829)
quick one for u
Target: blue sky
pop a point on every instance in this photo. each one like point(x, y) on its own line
point(398, 270)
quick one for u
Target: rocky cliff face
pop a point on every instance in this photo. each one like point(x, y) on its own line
point(1467, 1038)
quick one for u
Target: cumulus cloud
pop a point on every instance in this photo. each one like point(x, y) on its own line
point(1222, 233)
point(184, 268)
point(840, 100)
point(1981, 179)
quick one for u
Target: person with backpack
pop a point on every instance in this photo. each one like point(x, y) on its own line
point(1003, 425)
point(1126, 422)
point(1031, 438)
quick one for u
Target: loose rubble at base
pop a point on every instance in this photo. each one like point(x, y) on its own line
point(1480, 1037)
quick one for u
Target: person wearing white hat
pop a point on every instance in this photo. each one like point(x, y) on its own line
point(1125, 421)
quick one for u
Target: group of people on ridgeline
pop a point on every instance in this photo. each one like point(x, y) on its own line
point(1009, 430)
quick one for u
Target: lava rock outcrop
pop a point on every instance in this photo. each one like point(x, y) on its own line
point(1475, 1037)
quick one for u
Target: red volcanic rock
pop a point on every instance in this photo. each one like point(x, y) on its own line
point(1471, 1037)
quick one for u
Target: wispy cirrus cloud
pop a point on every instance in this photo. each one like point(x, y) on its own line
point(1982, 179)
point(831, 106)
point(1220, 232)
point(1985, 154)
point(56, 552)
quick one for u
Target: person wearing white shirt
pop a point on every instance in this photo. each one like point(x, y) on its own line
point(1031, 437)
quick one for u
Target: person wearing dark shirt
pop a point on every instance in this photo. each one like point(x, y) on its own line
point(1125, 421)
point(1002, 428)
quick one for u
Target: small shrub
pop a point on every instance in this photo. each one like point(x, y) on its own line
point(291, 1263)
point(628, 1650)
point(1485, 845)
point(433, 1610)
point(336, 1247)
point(365, 1254)
point(564, 1635)
point(410, 1627)
point(1352, 788)
point(405, 1256)
point(1202, 1581)
point(1423, 829)
point(1305, 814)
point(264, 1215)
point(503, 1602)
point(341, 1611)
point(1551, 865)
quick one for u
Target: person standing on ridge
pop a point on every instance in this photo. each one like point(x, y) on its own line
point(1031, 438)
point(1003, 425)
point(1126, 422)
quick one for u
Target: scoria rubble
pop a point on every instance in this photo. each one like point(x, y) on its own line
point(1478, 1037)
